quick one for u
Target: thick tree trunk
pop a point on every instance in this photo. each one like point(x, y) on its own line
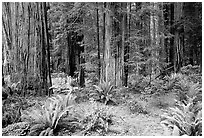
point(178, 8)
point(109, 62)
point(171, 41)
point(163, 52)
point(117, 42)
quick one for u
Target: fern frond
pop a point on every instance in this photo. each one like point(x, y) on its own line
point(35, 129)
point(51, 133)
point(42, 133)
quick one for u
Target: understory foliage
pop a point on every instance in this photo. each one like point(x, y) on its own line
point(137, 107)
point(47, 118)
point(104, 92)
point(11, 109)
point(173, 83)
point(97, 120)
point(186, 117)
point(58, 114)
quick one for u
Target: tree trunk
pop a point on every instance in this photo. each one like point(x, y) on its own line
point(125, 47)
point(103, 78)
point(48, 48)
point(98, 42)
point(163, 52)
point(109, 62)
point(178, 8)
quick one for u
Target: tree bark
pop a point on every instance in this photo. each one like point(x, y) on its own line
point(125, 48)
point(48, 48)
point(98, 42)
point(178, 8)
point(109, 65)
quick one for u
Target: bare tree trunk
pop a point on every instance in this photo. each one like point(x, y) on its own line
point(162, 40)
point(48, 47)
point(178, 8)
point(98, 42)
point(103, 78)
point(125, 48)
point(109, 65)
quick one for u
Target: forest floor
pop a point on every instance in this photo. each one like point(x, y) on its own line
point(125, 121)
point(131, 123)
point(136, 113)
point(128, 124)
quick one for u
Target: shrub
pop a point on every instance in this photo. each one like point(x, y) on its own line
point(11, 110)
point(10, 116)
point(104, 93)
point(193, 72)
point(185, 118)
point(137, 82)
point(137, 107)
point(83, 94)
point(98, 120)
point(179, 85)
point(189, 69)
point(46, 119)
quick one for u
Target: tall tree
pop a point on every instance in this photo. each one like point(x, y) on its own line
point(125, 47)
point(98, 42)
point(109, 61)
point(25, 32)
point(45, 21)
point(178, 8)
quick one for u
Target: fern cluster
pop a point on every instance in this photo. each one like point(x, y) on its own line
point(11, 109)
point(186, 117)
point(46, 119)
point(104, 92)
point(98, 120)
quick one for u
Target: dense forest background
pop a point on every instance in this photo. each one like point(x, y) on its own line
point(125, 44)
point(98, 41)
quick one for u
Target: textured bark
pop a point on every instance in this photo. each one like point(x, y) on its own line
point(162, 39)
point(125, 47)
point(171, 40)
point(25, 33)
point(103, 78)
point(109, 61)
point(116, 42)
point(98, 42)
point(49, 81)
point(178, 9)
point(154, 39)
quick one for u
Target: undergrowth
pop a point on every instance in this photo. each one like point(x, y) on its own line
point(104, 92)
point(186, 117)
point(180, 94)
point(97, 120)
point(45, 119)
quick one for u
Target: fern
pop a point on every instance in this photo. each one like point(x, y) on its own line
point(104, 92)
point(46, 118)
point(98, 120)
point(183, 120)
